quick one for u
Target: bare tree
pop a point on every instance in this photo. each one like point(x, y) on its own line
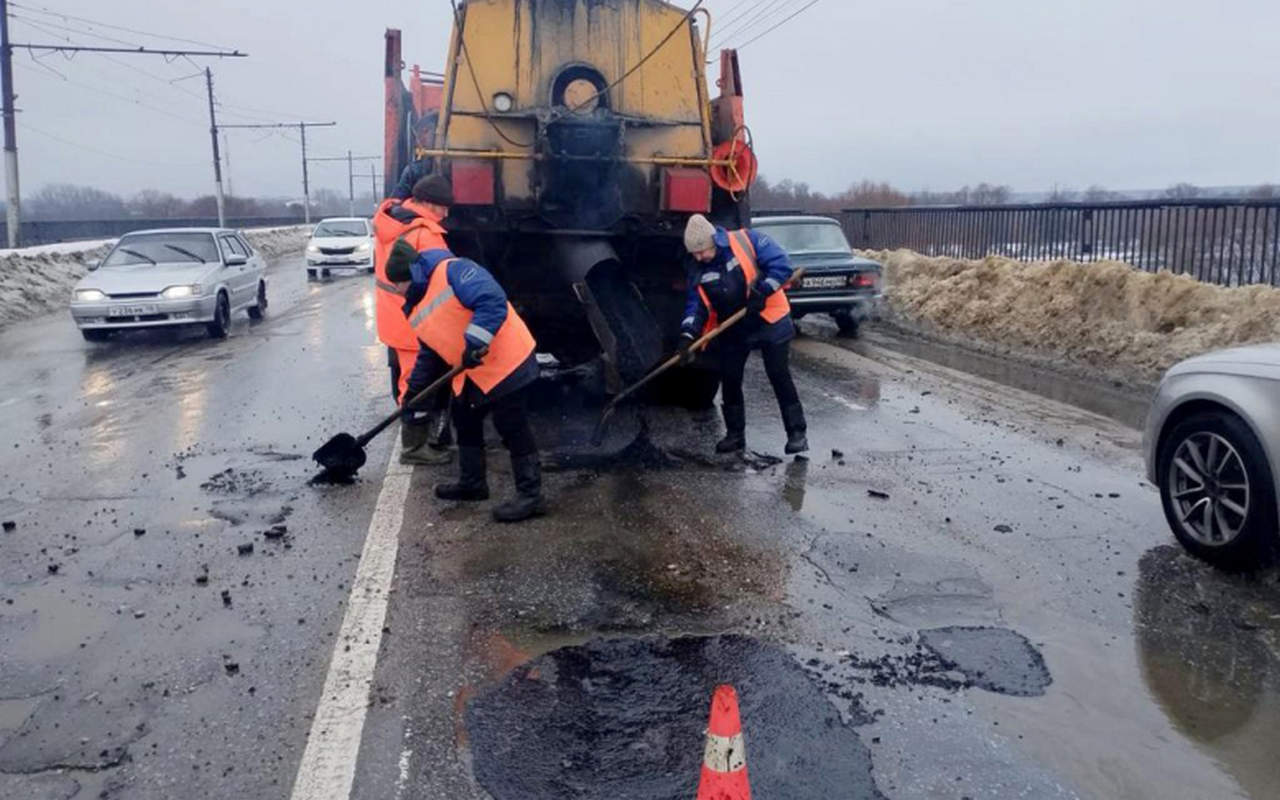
point(1182, 191)
point(1062, 194)
point(1099, 194)
point(67, 201)
point(1264, 191)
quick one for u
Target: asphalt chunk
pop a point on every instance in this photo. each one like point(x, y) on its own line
point(996, 659)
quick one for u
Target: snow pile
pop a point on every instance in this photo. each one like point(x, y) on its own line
point(36, 280)
point(1108, 316)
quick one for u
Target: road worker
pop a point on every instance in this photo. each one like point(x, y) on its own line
point(734, 269)
point(459, 311)
point(418, 221)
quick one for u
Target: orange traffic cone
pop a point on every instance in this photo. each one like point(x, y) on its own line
point(724, 761)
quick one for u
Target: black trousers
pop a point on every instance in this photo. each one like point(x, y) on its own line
point(733, 363)
point(438, 367)
point(510, 417)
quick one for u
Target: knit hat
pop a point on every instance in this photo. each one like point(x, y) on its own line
point(400, 261)
point(699, 234)
point(434, 189)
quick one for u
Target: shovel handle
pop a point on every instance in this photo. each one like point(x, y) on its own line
point(366, 437)
point(701, 343)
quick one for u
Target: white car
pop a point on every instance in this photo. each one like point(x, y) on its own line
point(1212, 446)
point(171, 276)
point(342, 243)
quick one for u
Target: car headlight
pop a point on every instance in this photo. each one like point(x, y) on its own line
point(312, 250)
point(179, 292)
point(90, 295)
point(362, 248)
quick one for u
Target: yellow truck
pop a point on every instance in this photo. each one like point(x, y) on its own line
point(579, 136)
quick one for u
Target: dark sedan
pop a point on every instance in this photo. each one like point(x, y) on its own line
point(836, 282)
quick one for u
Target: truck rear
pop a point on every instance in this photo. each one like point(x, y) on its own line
point(579, 136)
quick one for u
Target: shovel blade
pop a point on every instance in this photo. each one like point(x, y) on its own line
point(342, 455)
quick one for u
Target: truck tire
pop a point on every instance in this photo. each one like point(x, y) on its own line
point(693, 388)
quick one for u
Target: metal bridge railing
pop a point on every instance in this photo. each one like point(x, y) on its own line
point(1227, 242)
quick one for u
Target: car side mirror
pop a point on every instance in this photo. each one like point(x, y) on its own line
point(92, 265)
point(235, 260)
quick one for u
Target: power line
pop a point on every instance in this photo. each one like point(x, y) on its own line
point(745, 25)
point(49, 27)
point(806, 7)
point(134, 31)
point(741, 9)
point(89, 148)
point(97, 90)
point(302, 129)
point(65, 48)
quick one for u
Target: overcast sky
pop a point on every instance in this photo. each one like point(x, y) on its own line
point(920, 93)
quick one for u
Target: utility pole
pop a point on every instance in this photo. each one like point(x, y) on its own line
point(226, 156)
point(351, 176)
point(302, 128)
point(12, 195)
point(13, 215)
point(217, 162)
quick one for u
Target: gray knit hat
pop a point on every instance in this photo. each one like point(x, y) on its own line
point(699, 234)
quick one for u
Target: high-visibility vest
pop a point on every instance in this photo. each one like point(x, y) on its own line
point(776, 305)
point(424, 233)
point(443, 322)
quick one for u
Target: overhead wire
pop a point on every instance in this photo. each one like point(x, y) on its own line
point(803, 9)
point(98, 90)
point(88, 148)
point(65, 16)
point(746, 23)
point(732, 20)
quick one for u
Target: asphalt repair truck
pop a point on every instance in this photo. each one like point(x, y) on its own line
point(579, 136)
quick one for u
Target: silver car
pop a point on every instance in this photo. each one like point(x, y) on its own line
point(1211, 442)
point(175, 276)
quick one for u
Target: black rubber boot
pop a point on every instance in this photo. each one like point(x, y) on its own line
point(793, 421)
point(735, 424)
point(528, 501)
point(472, 484)
point(417, 449)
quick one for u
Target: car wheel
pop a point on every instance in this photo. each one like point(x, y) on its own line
point(95, 334)
point(259, 310)
point(846, 324)
point(324, 273)
point(1217, 490)
point(221, 318)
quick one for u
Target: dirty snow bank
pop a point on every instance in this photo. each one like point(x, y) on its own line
point(1106, 316)
point(36, 280)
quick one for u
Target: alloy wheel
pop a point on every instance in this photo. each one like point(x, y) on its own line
point(1209, 487)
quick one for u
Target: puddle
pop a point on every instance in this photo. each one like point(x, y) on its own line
point(1122, 405)
point(1209, 648)
point(625, 718)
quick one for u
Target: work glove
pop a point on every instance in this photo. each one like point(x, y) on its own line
point(687, 353)
point(400, 259)
point(473, 355)
point(756, 299)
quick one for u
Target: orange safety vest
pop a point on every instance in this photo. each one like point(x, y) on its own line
point(441, 321)
point(424, 233)
point(776, 305)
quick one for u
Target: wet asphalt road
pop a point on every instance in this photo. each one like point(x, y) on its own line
point(966, 591)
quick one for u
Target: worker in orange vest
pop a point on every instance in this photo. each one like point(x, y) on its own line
point(418, 221)
point(735, 269)
point(459, 311)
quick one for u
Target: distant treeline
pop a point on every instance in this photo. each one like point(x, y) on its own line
point(64, 201)
point(797, 195)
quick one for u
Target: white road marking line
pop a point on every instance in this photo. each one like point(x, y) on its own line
point(844, 401)
point(328, 766)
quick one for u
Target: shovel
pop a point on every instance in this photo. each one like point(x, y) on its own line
point(343, 455)
point(597, 437)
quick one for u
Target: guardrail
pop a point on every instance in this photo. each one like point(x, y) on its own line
point(53, 231)
point(1227, 242)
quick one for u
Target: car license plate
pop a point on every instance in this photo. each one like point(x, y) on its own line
point(131, 311)
point(825, 281)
